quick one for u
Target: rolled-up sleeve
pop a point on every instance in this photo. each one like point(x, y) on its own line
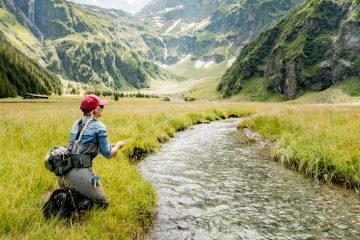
point(104, 144)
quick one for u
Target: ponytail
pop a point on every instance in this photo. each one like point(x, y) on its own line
point(92, 117)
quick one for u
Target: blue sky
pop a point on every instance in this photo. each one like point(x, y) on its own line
point(131, 6)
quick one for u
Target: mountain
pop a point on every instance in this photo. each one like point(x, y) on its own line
point(83, 43)
point(313, 47)
point(20, 75)
point(186, 10)
point(236, 22)
point(211, 30)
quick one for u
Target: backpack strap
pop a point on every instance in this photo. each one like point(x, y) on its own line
point(80, 127)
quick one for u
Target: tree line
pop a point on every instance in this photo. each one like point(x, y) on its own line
point(20, 75)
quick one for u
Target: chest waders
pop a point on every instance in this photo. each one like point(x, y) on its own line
point(80, 160)
point(81, 178)
point(80, 187)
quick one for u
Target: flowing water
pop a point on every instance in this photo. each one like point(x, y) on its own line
point(31, 17)
point(165, 50)
point(31, 14)
point(213, 184)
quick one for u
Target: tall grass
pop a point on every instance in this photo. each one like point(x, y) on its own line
point(321, 141)
point(29, 130)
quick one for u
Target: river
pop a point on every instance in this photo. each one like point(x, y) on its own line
point(213, 184)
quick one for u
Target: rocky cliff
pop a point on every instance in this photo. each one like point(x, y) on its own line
point(211, 30)
point(237, 22)
point(311, 48)
point(187, 10)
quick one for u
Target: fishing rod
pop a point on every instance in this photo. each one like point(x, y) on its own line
point(148, 130)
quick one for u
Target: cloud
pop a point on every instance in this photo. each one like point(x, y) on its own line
point(132, 2)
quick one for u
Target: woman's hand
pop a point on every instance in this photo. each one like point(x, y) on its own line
point(120, 144)
point(116, 148)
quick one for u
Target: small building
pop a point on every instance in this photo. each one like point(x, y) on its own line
point(35, 96)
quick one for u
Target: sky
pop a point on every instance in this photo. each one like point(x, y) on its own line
point(131, 6)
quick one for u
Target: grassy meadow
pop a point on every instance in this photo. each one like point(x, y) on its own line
point(322, 141)
point(28, 129)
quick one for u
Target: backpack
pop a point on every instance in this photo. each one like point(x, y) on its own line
point(58, 161)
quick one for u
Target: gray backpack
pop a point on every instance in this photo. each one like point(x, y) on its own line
point(58, 160)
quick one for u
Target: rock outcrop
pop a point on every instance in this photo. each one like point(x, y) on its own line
point(212, 30)
point(187, 10)
point(310, 49)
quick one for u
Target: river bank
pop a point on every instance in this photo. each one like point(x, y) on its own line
point(28, 131)
point(320, 141)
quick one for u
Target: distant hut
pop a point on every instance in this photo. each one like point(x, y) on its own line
point(35, 96)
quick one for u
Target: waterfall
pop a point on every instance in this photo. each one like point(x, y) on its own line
point(31, 14)
point(41, 39)
point(165, 50)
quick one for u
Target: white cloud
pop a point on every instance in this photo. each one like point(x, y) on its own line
point(133, 2)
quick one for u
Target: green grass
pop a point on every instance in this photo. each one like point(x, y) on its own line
point(187, 69)
point(18, 35)
point(350, 87)
point(343, 92)
point(207, 78)
point(320, 141)
point(254, 89)
point(206, 89)
point(29, 129)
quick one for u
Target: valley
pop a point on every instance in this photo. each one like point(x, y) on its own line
point(275, 85)
point(208, 50)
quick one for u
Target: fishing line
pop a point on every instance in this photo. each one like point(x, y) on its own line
point(147, 130)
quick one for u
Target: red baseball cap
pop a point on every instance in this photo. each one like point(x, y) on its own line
point(91, 102)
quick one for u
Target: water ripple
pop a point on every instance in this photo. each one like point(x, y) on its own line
point(212, 184)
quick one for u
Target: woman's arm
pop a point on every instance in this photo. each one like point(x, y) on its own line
point(107, 150)
point(116, 148)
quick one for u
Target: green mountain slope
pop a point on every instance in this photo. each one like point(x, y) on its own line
point(20, 35)
point(311, 48)
point(236, 22)
point(83, 43)
point(19, 74)
point(211, 30)
point(187, 10)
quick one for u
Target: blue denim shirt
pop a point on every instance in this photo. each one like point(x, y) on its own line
point(96, 133)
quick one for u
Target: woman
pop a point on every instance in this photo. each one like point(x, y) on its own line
point(88, 137)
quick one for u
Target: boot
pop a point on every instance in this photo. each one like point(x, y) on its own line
point(56, 205)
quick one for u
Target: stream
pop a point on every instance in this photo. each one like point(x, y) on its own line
point(213, 184)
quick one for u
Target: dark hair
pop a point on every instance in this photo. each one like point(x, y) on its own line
point(86, 113)
point(83, 110)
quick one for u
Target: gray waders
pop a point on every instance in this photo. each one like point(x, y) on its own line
point(81, 177)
